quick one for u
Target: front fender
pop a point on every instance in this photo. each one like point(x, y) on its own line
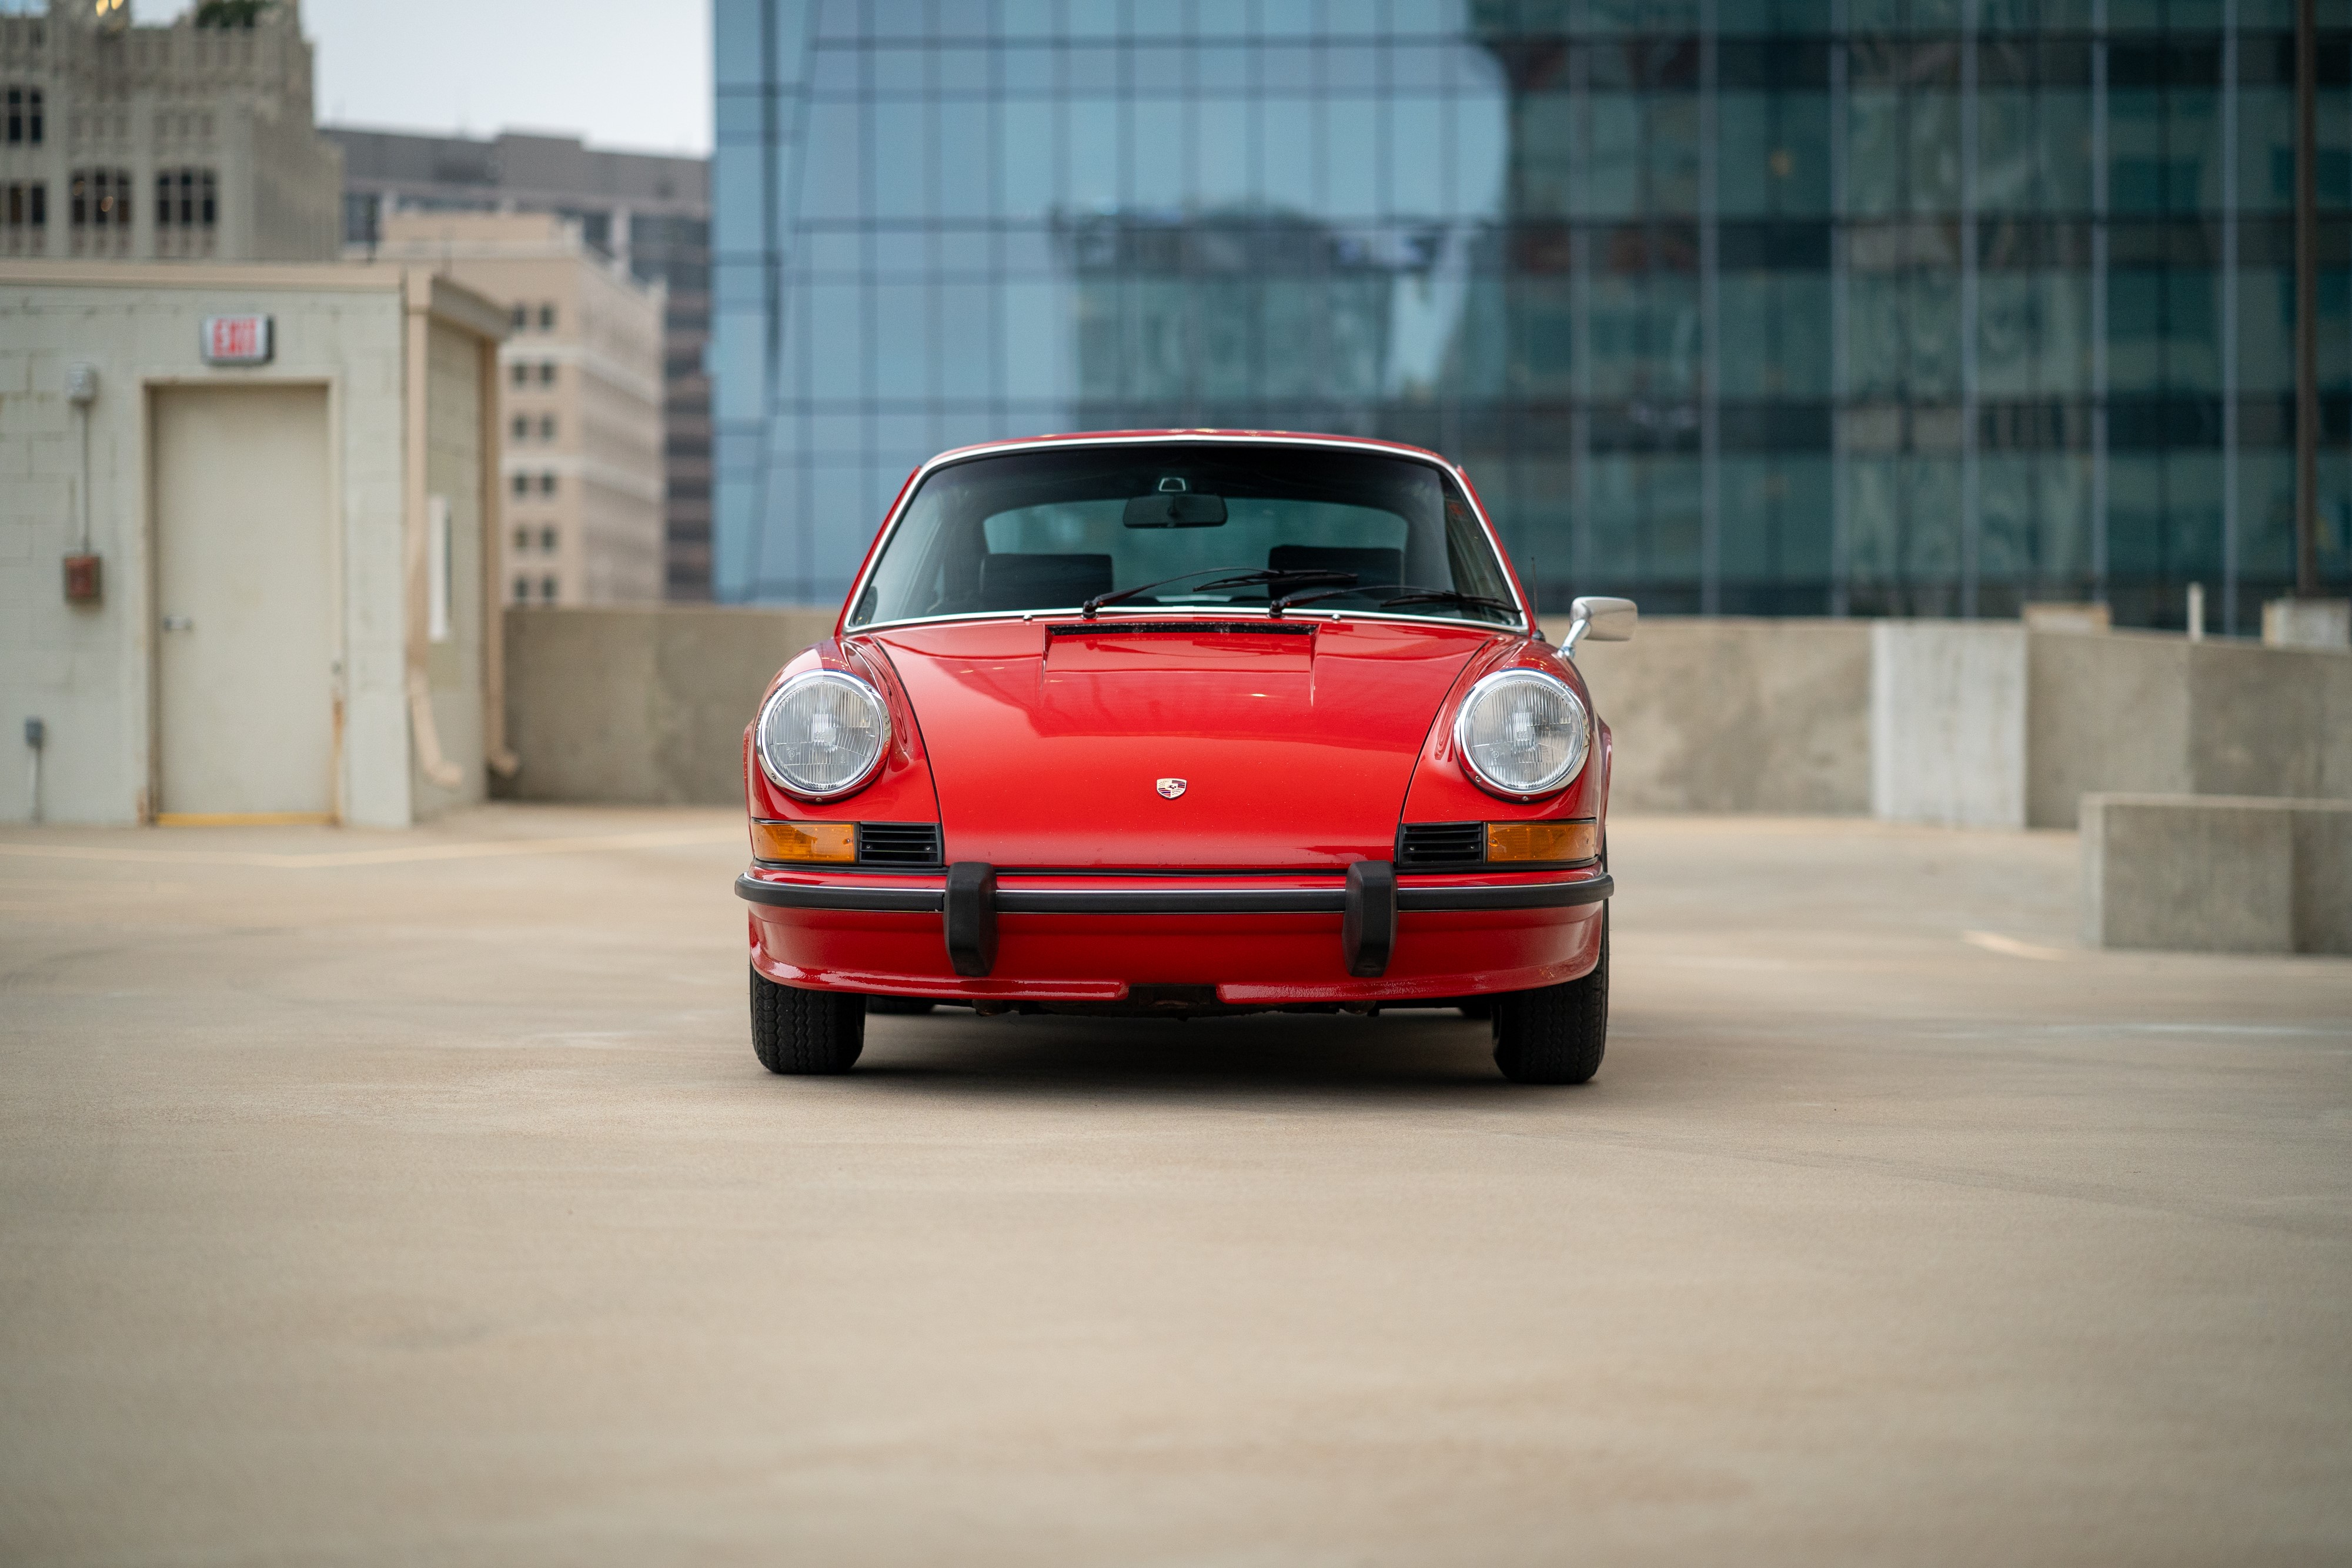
point(1443, 789)
point(900, 792)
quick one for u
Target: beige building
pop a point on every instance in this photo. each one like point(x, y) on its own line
point(580, 388)
point(649, 210)
point(247, 551)
point(178, 143)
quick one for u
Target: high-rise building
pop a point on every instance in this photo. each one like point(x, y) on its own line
point(580, 410)
point(187, 141)
point(649, 210)
point(1809, 306)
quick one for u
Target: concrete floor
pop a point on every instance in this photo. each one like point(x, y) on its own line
point(375, 1198)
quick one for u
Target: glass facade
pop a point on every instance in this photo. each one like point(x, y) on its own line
point(1741, 307)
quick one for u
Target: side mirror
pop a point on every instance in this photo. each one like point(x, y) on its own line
point(1602, 620)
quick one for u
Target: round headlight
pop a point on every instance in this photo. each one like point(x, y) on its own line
point(1522, 732)
point(822, 734)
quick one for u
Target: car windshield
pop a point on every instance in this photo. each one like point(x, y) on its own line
point(1236, 525)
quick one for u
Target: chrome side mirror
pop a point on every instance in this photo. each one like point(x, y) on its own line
point(1602, 620)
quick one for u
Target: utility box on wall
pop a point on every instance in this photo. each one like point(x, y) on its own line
point(85, 579)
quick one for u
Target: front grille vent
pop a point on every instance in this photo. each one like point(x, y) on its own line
point(898, 843)
point(1424, 846)
point(1185, 629)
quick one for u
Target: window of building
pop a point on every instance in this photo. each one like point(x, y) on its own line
point(547, 373)
point(101, 198)
point(546, 484)
point(25, 116)
point(523, 590)
point(185, 199)
point(25, 204)
point(547, 539)
point(522, 484)
point(521, 373)
point(547, 589)
point(547, 427)
point(521, 316)
point(522, 539)
point(547, 318)
point(522, 427)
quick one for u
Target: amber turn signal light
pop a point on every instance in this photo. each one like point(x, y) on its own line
point(1542, 840)
point(834, 841)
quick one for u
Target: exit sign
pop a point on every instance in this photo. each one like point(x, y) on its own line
point(237, 340)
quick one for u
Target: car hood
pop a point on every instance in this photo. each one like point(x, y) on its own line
point(1294, 741)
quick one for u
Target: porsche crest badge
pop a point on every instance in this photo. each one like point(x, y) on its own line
point(1170, 788)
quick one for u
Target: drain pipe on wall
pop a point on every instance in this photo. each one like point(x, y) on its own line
point(83, 584)
point(417, 293)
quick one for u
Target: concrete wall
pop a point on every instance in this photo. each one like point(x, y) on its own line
point(1709, 715)
point(2217, 873)
point(459, 365)
point(1979, 723)
point(2147, 713)
point(1948, 727)
point(1735, 714)
point(642, 705)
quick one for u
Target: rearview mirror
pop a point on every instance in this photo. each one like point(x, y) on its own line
point(1175, 509)
point(1602, 620)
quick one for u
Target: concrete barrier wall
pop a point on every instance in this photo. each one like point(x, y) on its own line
point(644, 705)
point(1947, 723)
point(2216, 873)
point(2147, 713)
point(2109, 712)
point(1959, 722)
point(1990, 725)
point(1735, 714)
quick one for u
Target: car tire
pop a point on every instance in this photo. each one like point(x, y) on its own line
point(1555, 1034)
point(907, 1007)
point(797, 1031)
point(1484, 1007)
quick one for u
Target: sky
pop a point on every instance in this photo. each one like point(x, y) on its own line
point(620, 73)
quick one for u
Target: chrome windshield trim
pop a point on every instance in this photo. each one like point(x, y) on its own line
point(1163, 438)
point(1189, 611)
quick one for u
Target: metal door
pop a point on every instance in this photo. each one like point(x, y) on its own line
point(245, 597)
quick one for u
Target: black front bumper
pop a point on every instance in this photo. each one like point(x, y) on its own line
point(931, 899)
point(970, 898)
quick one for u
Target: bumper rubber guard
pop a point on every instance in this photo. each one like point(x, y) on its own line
point(969, 919)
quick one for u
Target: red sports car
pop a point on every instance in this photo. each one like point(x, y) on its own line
point(1184, 722)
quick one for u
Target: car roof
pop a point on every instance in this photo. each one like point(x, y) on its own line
point(1142, 437)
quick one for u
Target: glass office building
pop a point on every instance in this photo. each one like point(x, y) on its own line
point(1741, 307)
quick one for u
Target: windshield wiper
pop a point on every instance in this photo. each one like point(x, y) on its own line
point(1449, 596)
point(1242, 579)
point(1412, 594)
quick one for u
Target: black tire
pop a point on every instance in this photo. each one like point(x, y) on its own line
point(1556, 1034)
point(799, 1031)
point(1484, 1007)
point(909, 1006)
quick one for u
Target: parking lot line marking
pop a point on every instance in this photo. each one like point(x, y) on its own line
point(1994, 942)
point(668, 838)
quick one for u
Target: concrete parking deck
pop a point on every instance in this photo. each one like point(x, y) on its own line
point(374, 1197)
